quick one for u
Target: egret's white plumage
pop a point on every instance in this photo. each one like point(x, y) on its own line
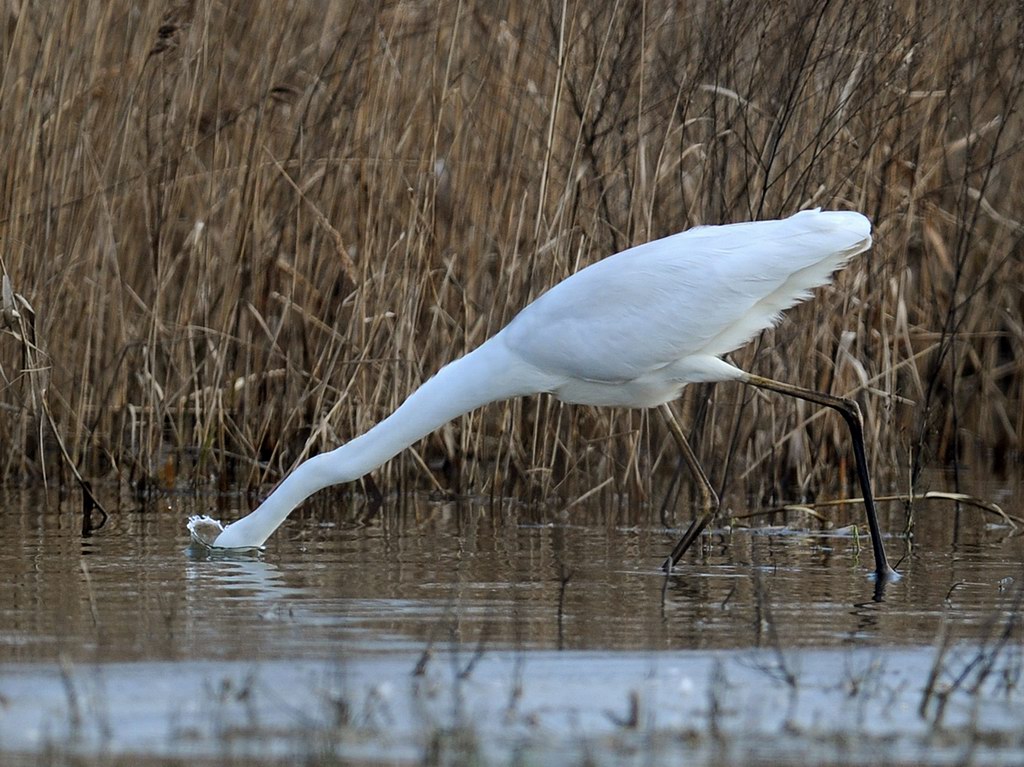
point(634, 328)
point(631, 330)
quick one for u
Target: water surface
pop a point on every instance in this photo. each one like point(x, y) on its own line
point(458, 632)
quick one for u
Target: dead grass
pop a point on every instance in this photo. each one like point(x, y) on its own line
point(247, 233)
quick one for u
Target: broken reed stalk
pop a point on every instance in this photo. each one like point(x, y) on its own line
point(1012, 521)
point(18, 320)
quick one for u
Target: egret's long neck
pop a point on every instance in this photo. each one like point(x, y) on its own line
point(487, 374)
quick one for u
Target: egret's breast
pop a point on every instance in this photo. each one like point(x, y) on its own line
point(651, 389)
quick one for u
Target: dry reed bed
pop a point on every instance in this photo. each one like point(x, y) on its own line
point(246, 233)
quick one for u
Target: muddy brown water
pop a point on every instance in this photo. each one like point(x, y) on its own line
point(477, 633)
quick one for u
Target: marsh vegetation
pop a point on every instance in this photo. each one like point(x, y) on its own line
point(233, 239)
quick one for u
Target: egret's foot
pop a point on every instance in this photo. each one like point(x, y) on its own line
point(204, 530)
point(882, 577)
point(888, 575)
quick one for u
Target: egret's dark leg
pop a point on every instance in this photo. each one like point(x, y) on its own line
point(850, 411)
point(709, 507)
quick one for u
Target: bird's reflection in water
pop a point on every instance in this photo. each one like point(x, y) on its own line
point(239, 574)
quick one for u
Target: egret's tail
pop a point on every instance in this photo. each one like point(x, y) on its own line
point(836, 236)
point(798, 254)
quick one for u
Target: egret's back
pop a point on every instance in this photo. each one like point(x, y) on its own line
point(699, 293)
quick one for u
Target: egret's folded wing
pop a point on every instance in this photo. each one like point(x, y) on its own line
point(704, 291)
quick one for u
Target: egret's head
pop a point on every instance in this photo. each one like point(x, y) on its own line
point(204, 530)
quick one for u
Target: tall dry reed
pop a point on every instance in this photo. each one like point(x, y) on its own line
point(239, 234)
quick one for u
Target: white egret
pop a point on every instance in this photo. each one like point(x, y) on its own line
point(630, 330)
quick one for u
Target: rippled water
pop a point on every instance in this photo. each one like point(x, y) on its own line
point(465, 632)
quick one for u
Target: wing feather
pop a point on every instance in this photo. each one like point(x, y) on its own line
point(704, 291)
